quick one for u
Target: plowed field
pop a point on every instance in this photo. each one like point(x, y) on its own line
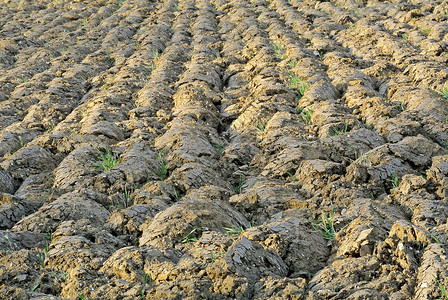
point(223, 149)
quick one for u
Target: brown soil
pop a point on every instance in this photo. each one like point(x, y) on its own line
point(236, 129)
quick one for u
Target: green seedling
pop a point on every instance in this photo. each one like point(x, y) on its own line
point(120, 3)
point(425, 30)
point(297, 83)
point(81, 297)
point(109, 56)
point(129, 197)
point(50, 128)
point(48, 236)
point(364, 160)
point(404, 36)
point(443, 143)
point(238, 188)
point(163, 173)
point(446, 117)
point(306, 114)
point(325, 226)
point(234, 230)
point(400, 106)
point(292, 64)
point(8, 240)
point(442, 289)
point(260, 126)
point(21, 142)
point(444, 93)
point(64, 276)
point(108, 160)
point(41, 257)
point(436, 239)
point(189, 237)
point(337, 132)
point(394, 180)
point(278, 48)
point(155, 54)
point(151, 69)
point(213, 257)
point(292, 177)
point(35, 287)
point(218, 145)
point(146, 281)
point(176, 196)
point(23, 79)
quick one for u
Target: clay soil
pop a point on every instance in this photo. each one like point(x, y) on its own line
point(223, 149)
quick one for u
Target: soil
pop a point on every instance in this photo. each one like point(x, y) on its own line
point(223, 149)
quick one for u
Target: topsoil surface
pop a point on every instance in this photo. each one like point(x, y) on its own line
point(223, 149)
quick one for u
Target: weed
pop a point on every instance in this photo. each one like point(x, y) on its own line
point(81, 297)
point(444, 93)
point(306, 114)
point(325, 226)
point(155, 54)
point(35, 287)
point(394, 180)
point(238, 187)
point(442, 289)
point(163, 173)
point(278, 48)
point(108, 160)
point(120, 3)
point(176, 196)
point(446, 117)
point(404, 36)
point(260, 126)
point(337, 132)
point(234, 230)
point(189, 238)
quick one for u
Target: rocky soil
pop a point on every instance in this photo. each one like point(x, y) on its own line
point(223, 149)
